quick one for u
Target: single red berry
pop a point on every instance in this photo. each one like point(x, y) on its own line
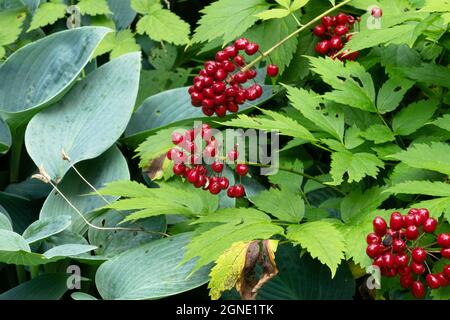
point(251, 48)
point(217, 166)
point(401, 260)
point(272, 70)
point(231, 51)
point(419, 255)
point(196, 96)
point(259, 90)
point(191, 89)
point(424, 213)
point(391, 272)
point(418, 289)
point(210, 151)
point(232, 107)
point(221, 56)
point(319, 30)
point(200, 181)
point(221, 110)
point(232, 155)
point(443, 240)
point(432, 281)
point(219, 87)
point(351, 20)
point(241, 169)
point(443, 281)
point(376, 12)
point(208, 103)
point(379, 226)
point(404, 270)
point(251, 93)
point(239, 60)
point(208, 93)
point(220, 75)
point(192, 177)
point(413, 211)
point(445, 252)
point(409, 220)
point(214, 188)
point(417, 268)
point(241, 96)
point(412, 233)
point(378, 261)
point(207, 82)
point(228, 66)
point(207, 111)
point(430, 225)
point(373, 238)
point(230, 192)
point(239, 191)
point(327, 21)
point(447, 271)
point(178, 156)
point(230, 92)
point(220, 99)
point(396, 221)
point(179, 168)
point(398, 246)
point(223, 183)
point(210, 68)
point(336, 43)
point(203, 73)
point(388, 260)
point(406, 281)
point(251, 74)
point(171, 153)
point(240, 77)
point(340, 30)
point(322, 47)
point(341, 18)
point(241, 43)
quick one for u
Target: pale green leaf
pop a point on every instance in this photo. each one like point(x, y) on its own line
point(284, 3)
point(391, 93)
point(11, 25)
point(93, 7)
point(274, 202)
point(322, 240)
point(436, 6)
point(413, 117)
point(297, 4)
point(288, 180)
point(117, 44)
point(443, 122)
point(145, 6)
point(378, 133)
point(358, 204)
point(435, 188)
point(273, 14)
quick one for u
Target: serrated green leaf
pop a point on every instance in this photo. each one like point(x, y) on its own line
point(297, 4)
point(353, 137)
point(433, 156)
point(93, 7)
point(357, 165)
point(155, 146)
point(288, 180)
point(227, 270)
point(310, 103)
point(164, 25)
point(436, 6)
point(358, 204)
point(284, 3)
point(391, 93)
point(145, 6)
point(403, 172)
point(322, 240)
point(11, 25)
point(413, 117)
point(443, 122)
point(427, 73)
point(117, 44)
point(227, 19)
point(437, 207)
point(273, 14)
point(47, 13)
point(274, 202)
point(378, 133)
point(435, 188)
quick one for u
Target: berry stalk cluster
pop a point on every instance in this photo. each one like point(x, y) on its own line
point(188, 158)
point(396, 250)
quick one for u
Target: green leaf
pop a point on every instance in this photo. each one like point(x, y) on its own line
point(110, 166)
point(322, 240)
point(5, 220)
point(435, 188)
point(297, 4)
point(117, 44)
point(436, 5)
point(155, 146)
point(391, 93)
point(227, 19)
point(310, 103)
point(273, 201)
point(358, 204)
point(11, 25)
point(47, 13)
point(273, 14)
point(357, 165)
point(443, 122)
point(20, 96)
point(299, 273)
point(433, 156)
point(413, 117)
point(123, 15)
point(427, 73)
point(403, 172)
point(284, 3)
point(150, 271)
point(5, 137)
point(50, 286)
point(93, 7)
point(288, 180)
point(88, 105)
point(163, 25)
point(352, 84)
point(227, 269)
point(436, 207)
point(46, 227)
point(112, 243)
point(144, 6)
point(378, 133)
point(269, 32)
point(78, 295)
point(170, 108)
point(22, 211)
point(68, 250)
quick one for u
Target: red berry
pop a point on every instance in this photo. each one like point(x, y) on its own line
point(443, 240)
point(240, 77)
point(241, 169)
point(207, 82)
point(219, 87)
point(424, 213)
point(388, 260)
point(217, 166)
point(208, 103)
point(251, 74)
point(232, 155)
point(232, 107)
point(409, 220)
point(272, 70)
point(430, 225)
point(259, 90)
point(432, 281)
point(196, 96)
point(412, 233)
point(231, 51)
point(192, 177)
point(398, 245)
point(396, 221)
point(221, 110)
point(413, 211)
point(340, 30)
point(376, 12)
point(220, 75)
point(445, 252)
point(419, 255)
point(443, 281)
point(241, 43)
point(379, 226)
point(251, 48)
point(239, 191)
point(228, 66)
point(404, 270)
point(406, 281)
point(239, 60)
point(319, 30)
point(207, 111)
point(418, 289)
point(214, 188)
point(373, 238)
point(447, 271)
point(336, 43)
point(417, 268)
point(351, 20)
point(221, 56)
point(179, 168)
point(401, 260)
point(220, 99)
point(230, 92)
point(210, 68)
point(208, 93)
point(341, 18)
point(223, 182)
point(200, 181)
point(210, 151)
point(327, 21)
point(171, 153)
point(241, 96)
point(322, 47)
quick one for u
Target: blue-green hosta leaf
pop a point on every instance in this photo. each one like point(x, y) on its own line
point(78, 295)
point(40, 73)
point(172, 107)
point(5, 220)
point(89, 119)
point(46, 227)
point(22, 211)
point(123, 14)
point(5, 137)
point(150, 271)
point(110, 166)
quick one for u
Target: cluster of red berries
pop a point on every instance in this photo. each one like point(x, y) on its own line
point(188, 162)
point(395, 250)
point(219, 86)
point(334, 32)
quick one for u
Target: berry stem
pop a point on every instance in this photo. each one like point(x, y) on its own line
point(304, 27)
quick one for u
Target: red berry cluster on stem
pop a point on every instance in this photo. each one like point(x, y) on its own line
point(188, 162)
point(219, 87)
point(395, 250)
point(335, 32)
